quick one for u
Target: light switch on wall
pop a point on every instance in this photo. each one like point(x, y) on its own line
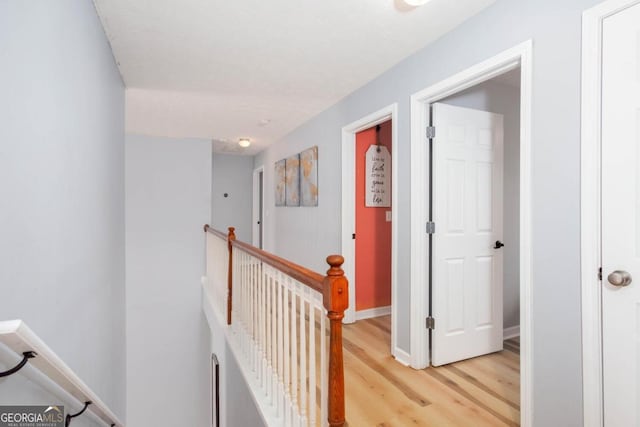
point(388, 216)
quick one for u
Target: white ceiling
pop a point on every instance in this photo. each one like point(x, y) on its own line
point(225, 69)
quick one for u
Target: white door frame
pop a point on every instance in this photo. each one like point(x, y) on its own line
point(590, 165)
point(255, 216)
point(520, 55)
point(349, 132)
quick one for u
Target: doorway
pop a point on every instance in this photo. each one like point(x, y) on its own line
point(518, 61)
point(475, 209)
point(372, 279)
point(258, 208)
point(349, 132)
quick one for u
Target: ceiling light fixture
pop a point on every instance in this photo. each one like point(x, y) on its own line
point(416, 2)
point(244, 142)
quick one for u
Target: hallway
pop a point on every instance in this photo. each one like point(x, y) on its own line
point(484, 391)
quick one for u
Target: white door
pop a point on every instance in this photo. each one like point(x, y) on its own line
point(621, 217)
point(258, 208)
point(467, 211)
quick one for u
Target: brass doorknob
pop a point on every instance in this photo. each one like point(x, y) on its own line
point(619, 278)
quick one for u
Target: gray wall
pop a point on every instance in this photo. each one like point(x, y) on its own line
point(241, 409)
point(168, 200)
point(232, 175)
point(62, 193)
point(555, 28)
point(505, 100)
point(237, 407)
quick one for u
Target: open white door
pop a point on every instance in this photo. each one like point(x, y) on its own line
point(621, 217)
point(258, 208)
point(467, 203)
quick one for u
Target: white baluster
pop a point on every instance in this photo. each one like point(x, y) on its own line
point(259, 323)
point(241, 301)
point(235, 294)
point(225, 282)
point(303, 359)
point(250, 295)
point(280, 345)
point(245, 304)
point(269, 342)
point(324, 369)
point(254, 317)
point(294, 347)
point(287, 352)
point(258, 316)
point(265, 326)
point(312, 364)
point(247, 290)
point(274, 339)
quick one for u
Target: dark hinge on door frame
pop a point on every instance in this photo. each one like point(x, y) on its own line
point(431, 227)
point(431, 323)
point(431, 132)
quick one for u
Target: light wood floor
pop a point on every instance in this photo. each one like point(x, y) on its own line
point(380, 392)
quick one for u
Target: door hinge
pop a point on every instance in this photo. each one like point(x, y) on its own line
point(431, 227)
point(600, 273)
point(431, 132)
point(431, 323)
point(353, 236)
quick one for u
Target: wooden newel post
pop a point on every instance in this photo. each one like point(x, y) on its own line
point(336, 301)
point(230, 238)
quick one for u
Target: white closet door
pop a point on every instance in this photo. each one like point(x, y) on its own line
point(621, 217)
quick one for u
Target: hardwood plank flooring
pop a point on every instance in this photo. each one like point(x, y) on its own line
point(380, 392)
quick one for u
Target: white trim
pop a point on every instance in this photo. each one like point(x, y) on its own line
point(511, 332)
point(255, 217)
point(373, 312)
point(402, 357)
point(526, 230)
point(348, 208)
point(520, 55)
point(592, 369)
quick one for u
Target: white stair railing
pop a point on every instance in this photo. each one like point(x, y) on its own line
point(283, 360)
point(279, 329)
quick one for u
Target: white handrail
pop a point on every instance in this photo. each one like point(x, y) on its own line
point(17, 336)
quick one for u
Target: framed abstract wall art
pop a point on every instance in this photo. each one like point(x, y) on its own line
point(280, 182)
point(292, 179)
point(309, 177)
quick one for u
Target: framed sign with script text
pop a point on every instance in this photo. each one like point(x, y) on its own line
point(378, 177)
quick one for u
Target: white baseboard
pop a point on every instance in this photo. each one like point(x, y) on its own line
point(402, 356)
point(512, 332)
point(373, 312)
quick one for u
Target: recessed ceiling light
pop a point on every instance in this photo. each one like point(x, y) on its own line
point(416, 2)
point(244, 142)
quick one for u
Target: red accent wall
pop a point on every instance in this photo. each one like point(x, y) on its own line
point(373, 232)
